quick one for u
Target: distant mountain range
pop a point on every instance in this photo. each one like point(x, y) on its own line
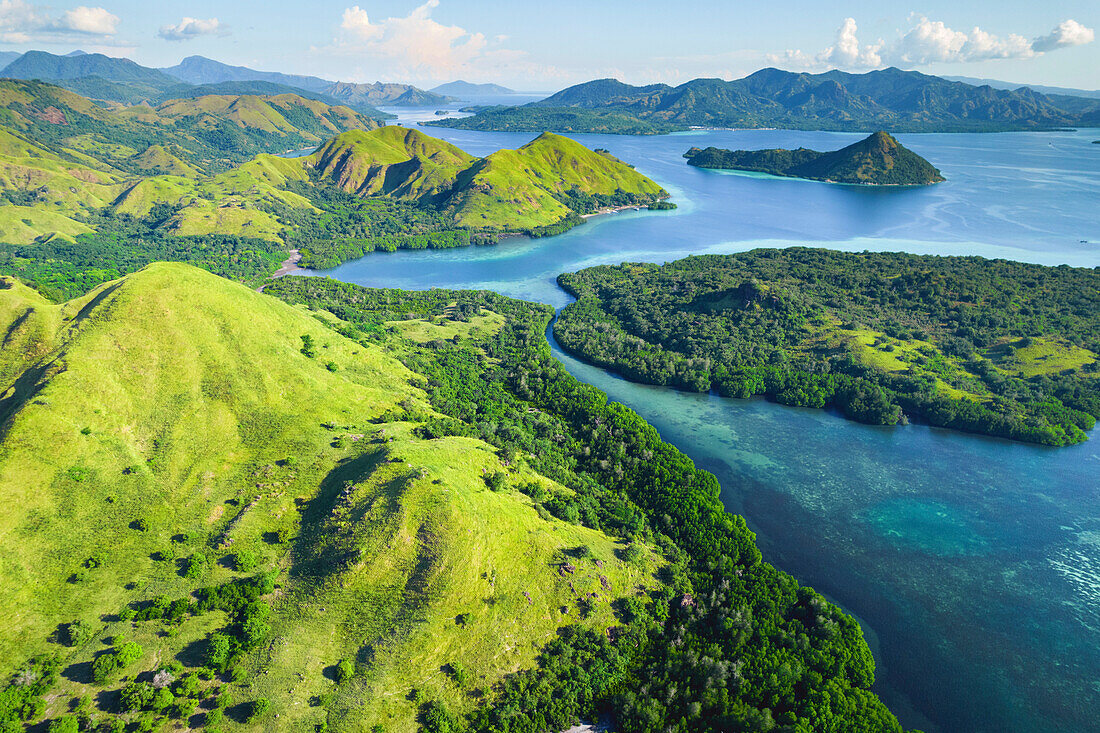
point(877, 160)
point(1041, 88)
point(904, 101)
point(121, 80)
point(466, 89)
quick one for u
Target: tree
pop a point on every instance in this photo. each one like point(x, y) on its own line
point(258, 708)
point(345, 670)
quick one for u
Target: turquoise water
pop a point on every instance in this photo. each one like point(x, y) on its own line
point(973, 564)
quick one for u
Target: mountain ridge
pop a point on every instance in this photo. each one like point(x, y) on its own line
point(905, 101)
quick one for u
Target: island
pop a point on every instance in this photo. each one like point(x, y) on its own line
point(986, 346)
point(877, 160)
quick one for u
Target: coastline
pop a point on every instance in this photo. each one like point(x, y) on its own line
point(289, 265)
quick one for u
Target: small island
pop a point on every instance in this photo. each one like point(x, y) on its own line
point(877, 160)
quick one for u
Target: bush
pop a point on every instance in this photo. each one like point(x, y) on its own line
point(345, 670)
point(77, 633)
point(196, 566)
point(258, 708)
point(244, 561)
point(65, 724)
point(136, 696)
point(458, 673)
point(128, 653)
point(496, 480)
point(103, 667)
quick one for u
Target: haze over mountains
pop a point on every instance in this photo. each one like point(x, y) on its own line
point(121, 80)
point(903, 101)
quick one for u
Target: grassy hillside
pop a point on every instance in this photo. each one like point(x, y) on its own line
point(877, 160)
point(534, 186)
point(211, 434)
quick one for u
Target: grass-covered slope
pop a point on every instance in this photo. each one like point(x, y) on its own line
point(174, 431)
point(877, 160)
point(987, 346)
point(509, 190)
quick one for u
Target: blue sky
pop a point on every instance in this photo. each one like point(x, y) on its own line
point(549, 44)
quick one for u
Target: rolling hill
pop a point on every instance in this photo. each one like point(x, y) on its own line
point(905, 101)
point(207, 446)
point(509, 190)
point(380, 93)
point(463, 89)
point(878, 159)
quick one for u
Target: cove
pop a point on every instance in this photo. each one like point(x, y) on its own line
point(973, 563)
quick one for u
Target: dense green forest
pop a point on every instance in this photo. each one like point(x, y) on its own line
point(989, 346)
point(727, 643)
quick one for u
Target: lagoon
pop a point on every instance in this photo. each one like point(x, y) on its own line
point(973, 564)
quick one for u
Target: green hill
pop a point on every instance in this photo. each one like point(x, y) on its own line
point(204, 446)
point(537, 185)
point(878, 160)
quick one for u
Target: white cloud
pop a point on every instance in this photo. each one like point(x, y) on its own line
point(22, 22)
point(418, 47)
point(417, 40)
point(189, 28)
point(1066, 33)
point(927, 42)
point(93, 21)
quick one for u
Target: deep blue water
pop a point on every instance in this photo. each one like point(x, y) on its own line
point(973, 564)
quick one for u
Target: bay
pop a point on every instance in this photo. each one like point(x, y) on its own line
point(973, 564)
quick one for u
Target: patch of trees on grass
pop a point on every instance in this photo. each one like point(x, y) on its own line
point(773, 322)
point(61, 269)
point(728, 643)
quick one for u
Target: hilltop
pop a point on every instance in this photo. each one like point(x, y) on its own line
point(508, 190)
point(464, 89)
point(878, 160)
point(905, 101)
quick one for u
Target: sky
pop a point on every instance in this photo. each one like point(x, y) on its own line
point(546, 45)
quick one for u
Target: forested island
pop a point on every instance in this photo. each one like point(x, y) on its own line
point(987, 346)
point(877, 160)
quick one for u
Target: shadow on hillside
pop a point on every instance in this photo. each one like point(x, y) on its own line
point(314, 555)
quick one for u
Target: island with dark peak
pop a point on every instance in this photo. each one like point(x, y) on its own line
point(877, 160)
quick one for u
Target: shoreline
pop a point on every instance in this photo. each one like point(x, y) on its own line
point(289, 265)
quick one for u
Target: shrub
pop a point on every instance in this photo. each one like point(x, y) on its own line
point(141, 525)
point(103, 667)
point(496, 480)
point(345, 670)
point(136, 696)
point(162, 700)
point(128, 653)
point(458, 673)
point(196, 566)
point(258, 708)
point(65, 724)
point(77, 633)
point(244, 561)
